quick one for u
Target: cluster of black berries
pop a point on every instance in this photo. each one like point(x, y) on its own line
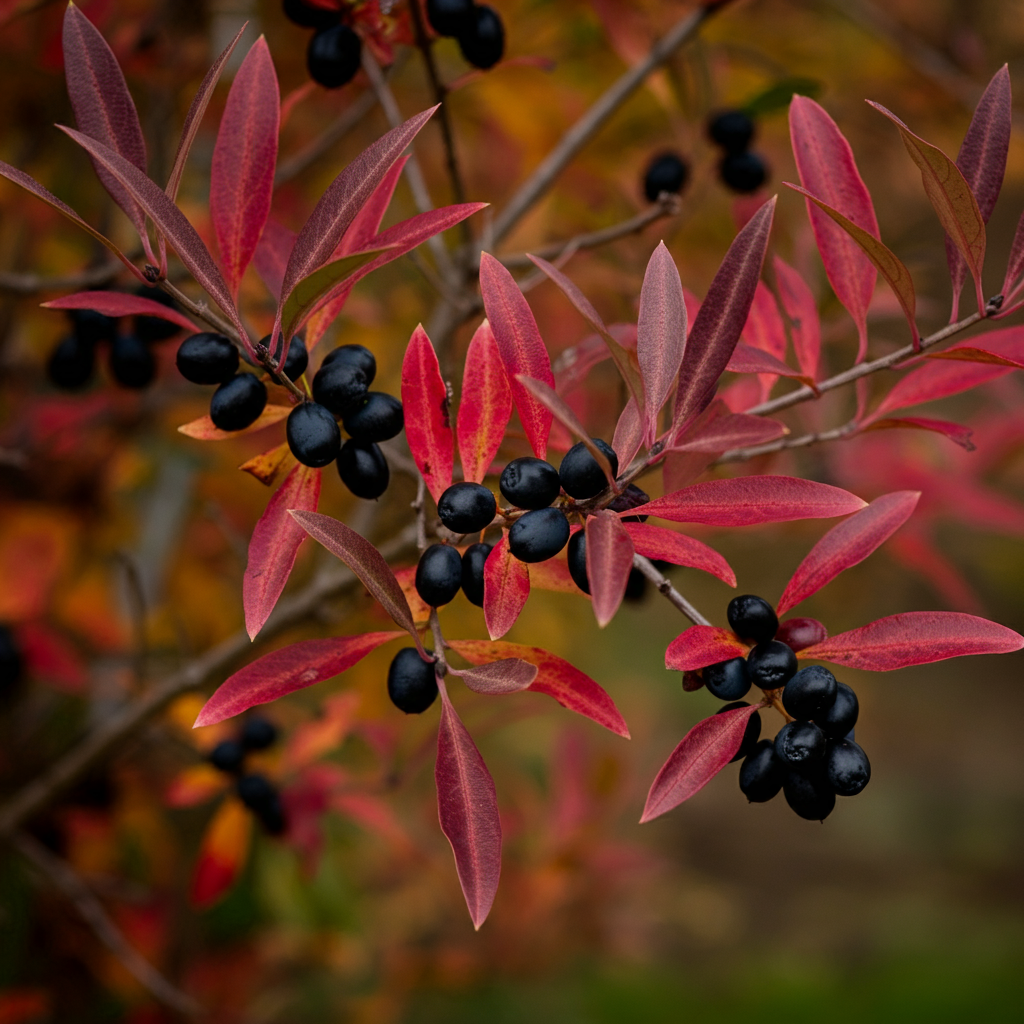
point(740, 169)
point(813, 758)
point(256, 791)
point(132, 364)
point(667, 172)
point(477, 27)
point(334, 51)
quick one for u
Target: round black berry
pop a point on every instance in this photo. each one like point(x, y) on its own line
point(228, 756)
point(258, 733)
point(847, 767)
point(578, 560)
point(467, 507)
point(539, 535)
point(482, 39)
point(529, 483)
point(579, 473)
point(359, 355)
point(810, 693)
point(363, 469)
point(732, 130)
point(412, 685)
point(11, 663)
point(131, 362)
point(263, 799)
point(154, 328)
point(438, 574)
point(809, 795)
point(91, 326)
point(207, 358)
point(631, 497)
point(71, 363)
point(743, 172)
point(297, 359)
point(667, 172)
point(771, 665)
point(450, 17)
point(762, 773)
point(473, 559)
point(238, 402)
point(308, 16)
point(838, 721)
point(801, 633)
point(752, 618)
point(636, 586)
point(339, 386)
point(313, 435)
point(799, 744)
point(378, 418)
point(727, 680)
point(750, 734)
point(332, 58)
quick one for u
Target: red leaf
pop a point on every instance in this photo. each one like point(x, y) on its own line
point(700, 646)
point(747, 359)
point(244, 158)
point(763, 337)
point(733, 430)
point(50, 656)
point(485, 405)
point(629, 433)
point(956, 432)
point(274, 546)
point(506, 588)
point(848, 544)
point(203, 429)
point(272, 254)
point(428, 426)
point(827, 169)
point(222, 853)
point(554, 575)
point(468, 809)
point(915, 638)
point(1014, 266)
point(366, 223)
point(661, 335)
point(798, 302)
point(520, 346)
point(510, 675)
point(659, 543)
point(972, 354)
point(609, 551)
point(569, 686)
point(286, 670)
point(121, 304)
point(717, 326)
point(702, 753)
point(747, 500)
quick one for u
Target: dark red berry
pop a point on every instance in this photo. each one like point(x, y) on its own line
point(238, 402)
point(752, 618)
point(131, 362)
point(363, 469)
point(838, 721)
point(333, 56)
point(228, 756)
point(579, 473)
point(801, 633)
point(258, 733)
point(847, 767)
point(809, 794)
point(91, 326)
point(667, 172)
point(438, 575)
point(750, 734)
point(799, 744)
point(539, 535)
point(529, 483)
point(339, 386)
point(732, 130)
point(467, 507)
point(631, 497)
point(207, 358)
point(71, 363)
point(743, 172)
point(450, 17)
point(359, 355)
point(378, 418)
point(308, 16)
point(473, 559)
point(313, 435)
point(727, 680)
point(578, 560)
point(482, 39)
point(771, 665)
point(762, 773)
point(155, 328)
point(810, 693)
point(412, 685)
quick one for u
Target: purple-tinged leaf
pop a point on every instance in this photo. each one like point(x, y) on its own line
point(468, 809)
point(973, 354)
point(827, 168)
point(699, 646)
point(1015, 265)
point(274, 545)
point(915, 638)
point(805, 325)
point(629, 433)
point(509, 675)
point(119, 304)
point(661, 335)
point(657, 542)
point(428, 426)
point(609, 562)
point(763, 339)
point(716, 328)
point(286, 670)
point(272, 253)
point(485, 405)
point(733, 430)
point(506, 589)
point(365, 225)
point(747, 359)
point(956, 432)
point(701, 754)
point(848, 544)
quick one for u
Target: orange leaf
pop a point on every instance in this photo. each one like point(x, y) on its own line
point(203, 429)
point(271, 465)
point(222, 853)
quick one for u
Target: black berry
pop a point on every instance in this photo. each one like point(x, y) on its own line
point(297, 359)
point(332, 57)
point(11, 663)
point(313, 434)
point(263, 799)
point(154, 328)
point(131, 362)
point(378, 418)
point(579, 473)
point(529, 483)
point(810, 693)
point(91, 326)
point(467, 507)
point(258, 733)
point(771, 665)
point(667, 172)
point(727, 680)
point(750, 734)
point(207, 358)
point(799, 744)
point(743, 172)
point(363, 469)
point(412, 685)
point(473, 559)
point(71, 363)
point(762, 773)
point(238, 402)
point(539, 535)
point(309, 16)
point(438, 574)
point(752, 618)
point(450, 17)
point(636, 586)
point(339, 386)
point(847, 767)
point(631, 497)
point(732, 130)
point(359, 355)
point(809, 795)
point(482, 39)
point(838, 721)
point(578, 560)
point(228, 756)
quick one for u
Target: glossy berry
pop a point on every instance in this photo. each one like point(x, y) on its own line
point(313, 435)
point(750, 734)
point(578, 560)
point(11, 662)
point(450, 17)
point(91, 326)
point(743, 172)
point(799, 744)
point(579, 473)
point(800, 633)
point(473, 559)
point(332, 57)
point(363, 469)
point(762, 773)
point(809, 795)
point(379, 417)
point(71, 363)
point(297, 360)
point(727, 680)
point(631, 497)
point(228, 756)
point(154, 328)
point(207, 358)
point(467, 507)
point(811, 692)
point(529, 483)
point(752, 618)
point(771, 665)
point(258, 733)
point(438, 574)
point(412, 685)
point(838, 721)
point(308, 16)
point(732, 130)
point(131, 362)
point(482, 39)
point(667, 172)
point(339, 386)
point(538, 535)
point(263, 799)
point(847, 767)
point(359, 355)
point(238, 402)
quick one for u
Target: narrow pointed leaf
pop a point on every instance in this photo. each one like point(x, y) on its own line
point(274, 545)
point(700, 646)
point(848, 544)
point(203, 428)
point(657, 542)
point(428, 427)
point(365, 225)
point(509, 675)
point(629, 433)
point(973, 354)
point(733, 430)
point(467, 806)
point(506, 588)
point(119, 304)
point(915, 638)
point(269, 466)
point(554, 575)
point(485, 405)
point(956, 432)
point(805, 324)
point(609, 562)
point(272, 254)
point(701, 754)
point(1015, 265)
point(222, 853)
point(747, 359)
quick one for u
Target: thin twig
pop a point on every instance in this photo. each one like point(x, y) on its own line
point(441, 666)
point(32, 284)
point(671, 594)
point(418, 506)
point(786, 443)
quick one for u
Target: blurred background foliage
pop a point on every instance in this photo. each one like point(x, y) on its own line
point(127, 541)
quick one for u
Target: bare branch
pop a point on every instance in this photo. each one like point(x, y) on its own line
point(32, 284)
point(786, 443)
point(670, 593)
